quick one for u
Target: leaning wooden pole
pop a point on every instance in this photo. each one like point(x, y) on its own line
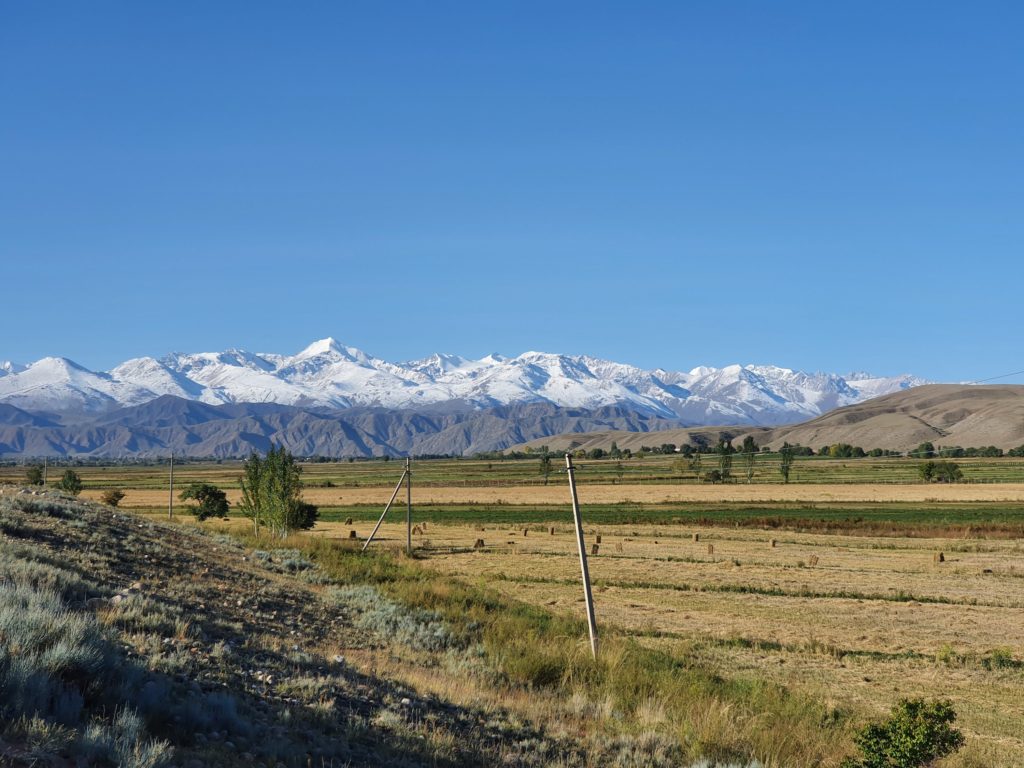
point(408, 506)
point(587, 594)
point(386, 508)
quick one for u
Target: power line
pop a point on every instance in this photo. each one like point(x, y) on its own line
point(994, 378)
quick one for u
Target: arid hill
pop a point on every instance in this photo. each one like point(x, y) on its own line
point(945, 414)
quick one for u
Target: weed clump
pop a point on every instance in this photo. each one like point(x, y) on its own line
point(416, 628)
point(58, 674)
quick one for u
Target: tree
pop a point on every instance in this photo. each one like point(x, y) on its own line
point(713, 476)
point(725, 451)
point(695, 465)
point(924, 451)
point(749, 452)
point(916, 735)
point(112, 497)
point(615, 452)
point(940, 472)
point(545, 466)
point(786, 456)
point(70, 482)
point(211, 501)
point(272, 493)
point(34, 476)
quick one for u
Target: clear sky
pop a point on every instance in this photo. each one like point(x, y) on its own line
point(824, 186)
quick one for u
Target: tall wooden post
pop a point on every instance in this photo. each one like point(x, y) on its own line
point(588, 596)
point(408, 505)
point(44, 471)
point(170, 491)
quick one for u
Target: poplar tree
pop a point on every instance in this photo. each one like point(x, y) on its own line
point(272, 493)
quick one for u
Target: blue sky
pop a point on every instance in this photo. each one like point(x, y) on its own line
point(818, 185)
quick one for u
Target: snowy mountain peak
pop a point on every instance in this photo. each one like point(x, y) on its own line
point(331, 348)
point(329, 374)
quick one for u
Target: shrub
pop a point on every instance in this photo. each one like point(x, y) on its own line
point(416, 628)
point(33, 476)
point(211, 501)
point(112, 497)
point(940, 472)
point(70, 482)
point(915, 735)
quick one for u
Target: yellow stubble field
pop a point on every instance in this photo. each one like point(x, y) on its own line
point(644, 494)
point(853, 620)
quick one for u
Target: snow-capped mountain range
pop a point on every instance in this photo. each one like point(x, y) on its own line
point(330, 375)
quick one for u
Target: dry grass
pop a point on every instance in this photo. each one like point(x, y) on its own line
point(875, 620)
point(647, 494)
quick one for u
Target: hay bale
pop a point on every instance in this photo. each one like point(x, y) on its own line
point(618, 546)
point(814, 559)
point(348, 521)
point(352, 534)
point(711, 549)
point(417, 530)
point(696, 537)
point(939, 557)
point(772, 542)
point(552, 530)
point(594, 549)
point(598, 538)
point(478, 544)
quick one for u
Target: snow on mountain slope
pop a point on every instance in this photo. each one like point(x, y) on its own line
point(330, 374)
point(6, 367)
point(58, 384)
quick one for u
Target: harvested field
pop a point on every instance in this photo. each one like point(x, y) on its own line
point(874, 620)
point(645, 494)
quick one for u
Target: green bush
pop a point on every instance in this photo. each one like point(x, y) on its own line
point(212, 501)
point(70, 482)
point(915, 735)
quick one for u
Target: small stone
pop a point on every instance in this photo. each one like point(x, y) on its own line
point(339, 659)
point(406, 702)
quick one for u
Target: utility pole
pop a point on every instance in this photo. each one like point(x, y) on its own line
point(408, 505)
point(44, 471)
point(588, 596)
point(170, 492)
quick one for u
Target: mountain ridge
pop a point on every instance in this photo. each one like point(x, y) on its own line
point(965, 415)
point(328, 374)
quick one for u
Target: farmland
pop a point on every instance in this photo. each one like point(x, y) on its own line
point(852, 620)
point(830, 587)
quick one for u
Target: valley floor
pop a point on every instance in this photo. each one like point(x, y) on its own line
point(853, 621)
